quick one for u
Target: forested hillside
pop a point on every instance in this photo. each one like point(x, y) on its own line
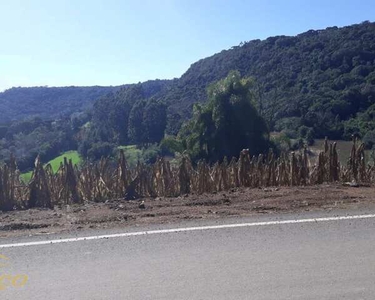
point(47, 102)
point(322, 80)
point(318, 83)
point(131, 115)
point(72, 122)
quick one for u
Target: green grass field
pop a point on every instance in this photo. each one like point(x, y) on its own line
point(55, 163)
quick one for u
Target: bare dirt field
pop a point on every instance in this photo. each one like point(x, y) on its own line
point(235, 203)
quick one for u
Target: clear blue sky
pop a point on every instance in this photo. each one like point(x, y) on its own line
point(90, 42)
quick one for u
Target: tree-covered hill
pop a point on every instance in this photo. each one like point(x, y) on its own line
point(321, 78)
point(118, 117)
point(318, 83)
point(47, 102)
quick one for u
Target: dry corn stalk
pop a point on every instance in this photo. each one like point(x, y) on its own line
point(39, 190)
point(108, 180)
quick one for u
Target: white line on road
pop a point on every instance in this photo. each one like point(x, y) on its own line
point(174, 230)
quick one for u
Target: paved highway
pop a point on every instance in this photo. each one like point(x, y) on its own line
point(328, 259)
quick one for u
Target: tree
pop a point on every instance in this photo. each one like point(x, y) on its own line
point(228, 123)
point(147, 122)
point(171, 145)
point(99, 150)
point(155, 121)
point(111, 115)
point(136, 129)
point(369, 139)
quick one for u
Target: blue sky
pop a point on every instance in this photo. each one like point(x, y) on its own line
point(90, 42)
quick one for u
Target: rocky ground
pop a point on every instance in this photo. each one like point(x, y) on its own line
point(235, 203)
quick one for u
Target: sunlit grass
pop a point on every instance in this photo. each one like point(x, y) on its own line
point(55, 163)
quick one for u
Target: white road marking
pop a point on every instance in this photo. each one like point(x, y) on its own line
point(174, 230)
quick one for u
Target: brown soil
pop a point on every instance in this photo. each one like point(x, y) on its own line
point(237, 202)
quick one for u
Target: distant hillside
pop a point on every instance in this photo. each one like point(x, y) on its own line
point(318, 83)
point(122, 117)
point(52, 103)
point(321, 79)
point(47, 102)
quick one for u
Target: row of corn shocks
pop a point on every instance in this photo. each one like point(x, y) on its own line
point(107, 180)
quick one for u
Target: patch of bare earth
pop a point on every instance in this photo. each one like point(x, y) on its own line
point(236, 202)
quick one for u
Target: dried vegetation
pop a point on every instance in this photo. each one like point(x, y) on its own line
point(108, 180)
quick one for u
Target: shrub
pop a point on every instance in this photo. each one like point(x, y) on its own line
point(150, 154)
point(310, 137)
point(369, 139)
point(99, 150)
point(282, 142)
point(170, 145)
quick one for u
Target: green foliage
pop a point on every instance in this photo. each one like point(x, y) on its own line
point(147, 122)
point(323, 80)
point(55, 163)
point(302, 131)
point(362, 124)
point(281, 142)
point(150, 154)
point(49, 103)
point(126, 117)
point(26, 177)
point(321, 77)
point(171, 145)
point(369, 139)
point(99, 150)
point(110, 115)
point(154, 121)
point(307, 133)
point(133, 154)
point(297, 144)
point(69, 155)
point(32, 137)
point(80, 119)
point(136, 128)
point(309, 137)
point(289, 124)
point(228, 123)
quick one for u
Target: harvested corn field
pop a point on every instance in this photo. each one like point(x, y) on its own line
point(234, 203)
point(107, 180)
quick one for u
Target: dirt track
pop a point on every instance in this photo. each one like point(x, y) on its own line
point(237, 202)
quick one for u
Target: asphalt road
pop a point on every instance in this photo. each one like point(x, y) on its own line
point(316, 260)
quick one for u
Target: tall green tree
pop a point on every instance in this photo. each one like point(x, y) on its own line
point(228, 123)
point(136, 129)
point(155, 121)
point(111, 115)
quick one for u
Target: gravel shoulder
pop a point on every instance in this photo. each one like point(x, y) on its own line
point(234, 203)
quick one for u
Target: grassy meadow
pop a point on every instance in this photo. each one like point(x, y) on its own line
point(55, 163)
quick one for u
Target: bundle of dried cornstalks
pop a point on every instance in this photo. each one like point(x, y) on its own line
point(107, 180)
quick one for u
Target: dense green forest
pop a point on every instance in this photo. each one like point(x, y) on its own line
point(129, 116)
point(321, 79)
point(316, 84)
point(26, 139)
point(48, 103)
